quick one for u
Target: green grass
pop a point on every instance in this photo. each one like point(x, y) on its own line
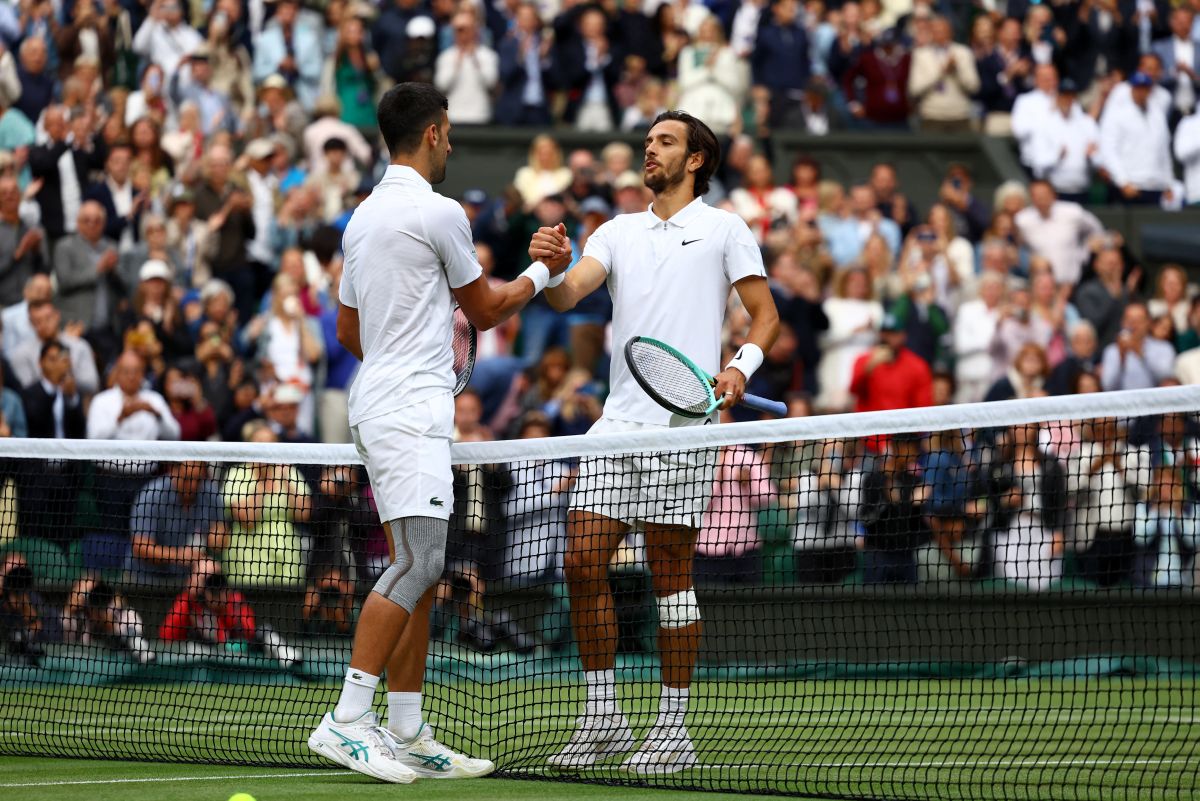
point(1115, 738)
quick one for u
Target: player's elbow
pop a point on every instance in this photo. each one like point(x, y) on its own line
point(560, 301)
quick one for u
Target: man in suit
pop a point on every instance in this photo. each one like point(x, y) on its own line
point(525, 72)
point(46, 322)
point(62, 167)
point(85, 266)
point(53, 410)
point(590, 70)
point(1180, 57)
point(123, 205)
point(781, 65)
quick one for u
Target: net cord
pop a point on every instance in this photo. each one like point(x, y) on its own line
point(1128, 403)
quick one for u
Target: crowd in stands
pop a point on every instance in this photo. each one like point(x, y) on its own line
point(174, 180)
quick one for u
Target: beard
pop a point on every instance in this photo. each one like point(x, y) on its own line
point(666, 178)
point(439, 172)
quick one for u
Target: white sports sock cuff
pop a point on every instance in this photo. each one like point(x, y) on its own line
point(748, 359)
point(558, 279)
point(361, 678)
point(539, 274)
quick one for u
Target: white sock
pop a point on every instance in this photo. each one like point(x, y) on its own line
point(358, 693)
point(404, 715)
point(672, 707)
point(601, 692)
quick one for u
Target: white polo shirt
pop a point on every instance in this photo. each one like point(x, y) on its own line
point(405, 248)
point(670, 281)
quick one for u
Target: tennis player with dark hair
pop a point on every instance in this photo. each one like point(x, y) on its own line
point(669, 270)
point(408, 250)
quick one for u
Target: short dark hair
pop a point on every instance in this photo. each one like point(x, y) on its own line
point(406, 111)
point(49, 345)
point(334, 143)
point(700, 139)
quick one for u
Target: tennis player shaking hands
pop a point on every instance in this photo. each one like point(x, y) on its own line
point(669, 271)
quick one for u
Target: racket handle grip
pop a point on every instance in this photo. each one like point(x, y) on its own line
point(763, 405)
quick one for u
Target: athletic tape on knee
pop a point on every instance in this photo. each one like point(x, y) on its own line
point(678, 610)
point(420, 546)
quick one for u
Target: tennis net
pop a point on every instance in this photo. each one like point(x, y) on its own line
point(992, 601)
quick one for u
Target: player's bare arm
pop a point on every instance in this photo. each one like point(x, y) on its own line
point(347, 330)
point(755, 294)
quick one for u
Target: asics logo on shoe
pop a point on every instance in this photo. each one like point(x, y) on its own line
point(439, 762)
point(357, 749)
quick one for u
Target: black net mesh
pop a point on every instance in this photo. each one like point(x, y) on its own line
point(1001, 612)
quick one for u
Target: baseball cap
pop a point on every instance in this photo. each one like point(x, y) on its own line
point(475, 197)
point(595, 205)
point(1141, 79)
point(287, 393)
point(420, 28)
point(1067, 86)
point(628, 180)
point(890, 323)
point(155, 268)
point(260, 149)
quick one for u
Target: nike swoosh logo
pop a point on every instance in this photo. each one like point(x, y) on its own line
point(687, 242)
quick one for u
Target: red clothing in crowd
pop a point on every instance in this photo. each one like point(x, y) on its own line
point(189, 619)
point(883, 83)
point(196, 426)
point(903, 383)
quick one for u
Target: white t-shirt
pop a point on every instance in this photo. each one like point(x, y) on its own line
point(670, 281)
point(405, 248)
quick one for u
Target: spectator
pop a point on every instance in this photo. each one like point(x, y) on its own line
point(952, 554)
point(329, 603)
point(854, 317)
point(53, 408)
point(1135, 146)
point(284, 411)
point(974, 330)
point(1104, 502)
point(1066, 146)
point(798, 298)
point(1028, 490)
point(192, 83)
point(23, 249)
point(847, 236)
point(289, 342)
point(971, 216)
point(828, 502)
point(20, 615)
point(536, 511)
point(937, 252)
point(89, 286)
point(1082, 357)
point(123, 206)
point(1032, 109)
point(925, 323)
point(227, 209)
point(876, 84)
point(207, 611)
point(1136, 360)
point(291, 48)
point(763, 205)
point(1165, 529)
point(467, 72)
point(1058, 230)
point(1025, 378)
point(890, 201)
point(728, 547)
point(388, 34)
point(164, 38)
point(267, 503)
point(1172, 296)
point(781, 65)
point(525, 71)
point(1180, 62)
point(37, 82)
point(96, 613)
point(1004, 68)
point(127, 411)
point(46, 322)
point(61, 190)
point(176, 519)
point(1102, 299)
point(942, 81)
point(891, 376)
point(185, 397)
point(356, 76)
point(712, 79)
point(1187, 150)
point(150, 100)
point(591, 66)
point(345, 527)
point(893, 495)
point(544, 175)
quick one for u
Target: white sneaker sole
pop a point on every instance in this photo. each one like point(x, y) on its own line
point(335, 754)
point(676, 764)
point(614, 747)
point(456, 773)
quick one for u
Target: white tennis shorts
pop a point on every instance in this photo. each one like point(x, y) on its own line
point(407, 454)
point(671, 488)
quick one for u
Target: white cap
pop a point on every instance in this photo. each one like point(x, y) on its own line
point(155, 268)
point(420, 28)
point(260, 149)
point(287, 393)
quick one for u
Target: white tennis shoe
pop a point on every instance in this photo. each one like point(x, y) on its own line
point(596, 737)
point(663, 751)
point(359, 746)
point(429, 759)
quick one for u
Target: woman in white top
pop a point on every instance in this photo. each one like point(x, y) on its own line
point(1166, 531)
point(974, 330)
point(290, 342)
point(1103, 497)
point(545, 174)
point(1172, 296)
point(712, 79)
point(854, 318)
point(763, 205)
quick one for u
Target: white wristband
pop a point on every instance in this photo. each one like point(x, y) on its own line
point(558, 279)
point(748, 359)
point(539, 274)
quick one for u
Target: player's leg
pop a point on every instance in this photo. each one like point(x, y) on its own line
point(667, 747)
point(350, 734)
point(411, 739)
point(602, 730)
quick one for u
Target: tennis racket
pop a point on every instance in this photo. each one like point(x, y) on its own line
point(677, 383)
point(464, 340)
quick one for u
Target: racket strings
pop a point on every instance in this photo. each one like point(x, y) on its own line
point(670, 378)
point(463, 344)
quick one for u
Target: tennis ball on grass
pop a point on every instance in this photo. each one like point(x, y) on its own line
point(241, 797)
